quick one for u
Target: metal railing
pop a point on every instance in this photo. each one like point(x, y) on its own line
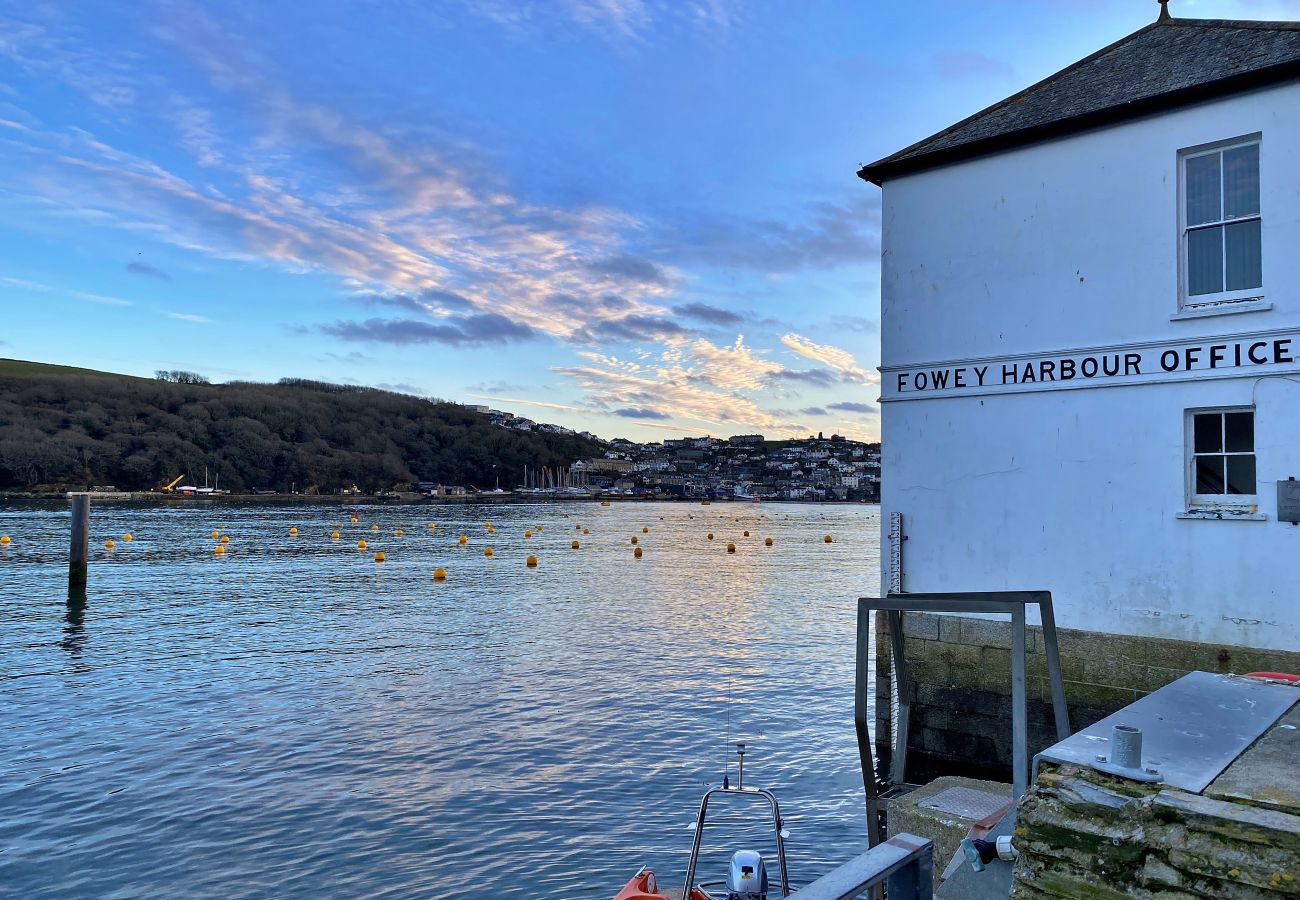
point(904, 865)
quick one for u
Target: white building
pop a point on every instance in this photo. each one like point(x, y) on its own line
point(1091, 351)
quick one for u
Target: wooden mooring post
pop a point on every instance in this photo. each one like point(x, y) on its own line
point(79, 549)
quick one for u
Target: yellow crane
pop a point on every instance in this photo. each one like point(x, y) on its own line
point(168, 488)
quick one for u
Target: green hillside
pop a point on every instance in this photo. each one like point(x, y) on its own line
point(63, 427)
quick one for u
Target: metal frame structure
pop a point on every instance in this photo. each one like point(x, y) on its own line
point(904, 865)
point(1010, 603)
point(777, 825)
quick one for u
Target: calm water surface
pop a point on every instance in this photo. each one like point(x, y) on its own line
point(295, 720)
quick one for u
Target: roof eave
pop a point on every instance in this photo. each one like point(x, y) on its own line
point(892, 166)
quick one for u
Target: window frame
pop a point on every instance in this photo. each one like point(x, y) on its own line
point(1214, 502)
point(1186, 300)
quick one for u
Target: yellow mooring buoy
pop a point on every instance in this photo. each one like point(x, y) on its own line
point(645, 530)
point(361, 544)
point(215, 534)
point(4, 538)
point(374, 527)
point(586, 531)
point(731, 548)
point(334, 535)
point(293, 532)
point(379, 556)
point(532, 562)
point(637, 552)
point(768, 542)
point(218, 550)
point(487, 551)
point(109, 545)
point(440, 574)
point(128, 537)
point(634, 539)
point(464, 540)
point(827, 539)
point(399, 533)
point(577, 527)
point(225, 539)
point(575, 545)
point(431, 526)
point(528, 534)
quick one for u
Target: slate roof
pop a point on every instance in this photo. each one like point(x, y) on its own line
point(1171, 62)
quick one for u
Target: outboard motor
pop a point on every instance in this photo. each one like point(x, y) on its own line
point(748, 877)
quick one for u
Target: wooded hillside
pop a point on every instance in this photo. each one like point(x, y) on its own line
point(69, 428)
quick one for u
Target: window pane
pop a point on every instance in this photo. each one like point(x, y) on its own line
point(1208, 430)
point(1203, 189)
point(1209, 474)
point(1242, 246)
point(1241, 181)
point(1241, 474)
point(1240, 428)
point(1205, 261)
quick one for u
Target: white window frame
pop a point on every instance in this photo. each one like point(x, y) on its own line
point(1187, 300)
point(1216, 502)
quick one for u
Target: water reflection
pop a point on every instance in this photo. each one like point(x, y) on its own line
point(296, 715)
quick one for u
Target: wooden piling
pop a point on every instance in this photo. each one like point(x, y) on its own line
point(79, 549)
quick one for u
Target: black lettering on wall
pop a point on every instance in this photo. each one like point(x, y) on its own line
point(1132, 363)
point(1009, 374)
point(1169, 360)
point(979, 372)
point(1088, 367)
point(1282, 351)
point(1258, 360)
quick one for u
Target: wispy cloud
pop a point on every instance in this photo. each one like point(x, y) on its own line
point(713, 315)
point(841, 361)
point(849, 406)
point(136, 267)
point(187, 317)
point(632, 412)
point(959, 65)
point(474, 330)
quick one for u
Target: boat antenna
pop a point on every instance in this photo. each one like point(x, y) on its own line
point(726, 757)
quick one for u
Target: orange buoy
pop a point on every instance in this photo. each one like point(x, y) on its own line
point(577, 527)
point(225, 539)
point(109, 545)
point(374, 527)
point(128, 537)
point(487, 551)
point(4, 538)
point(634, 539)
point(575, 545)
point(215, 534)
point(293, 532)
point(379, 556)
point(463, 540)
point(399, 533)
point(334, 535)
point(768, 542)
point(361, 545)
point(586, 531)
point(219, 549)
point(440, 574)
point(827, 539)
point(645, 530)
point(637, 552)
point(731, 548)
point(527, 533)
point(532, 562)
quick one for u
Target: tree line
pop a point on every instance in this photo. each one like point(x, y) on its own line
point(64, 431)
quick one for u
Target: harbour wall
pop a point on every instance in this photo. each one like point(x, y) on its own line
point(959, 671)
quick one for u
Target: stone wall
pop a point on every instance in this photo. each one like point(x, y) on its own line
point(960, 669)
point(1084, 834)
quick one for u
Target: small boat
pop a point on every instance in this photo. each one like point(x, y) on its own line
point(747, 875)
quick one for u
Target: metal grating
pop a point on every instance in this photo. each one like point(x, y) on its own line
point(967, 803)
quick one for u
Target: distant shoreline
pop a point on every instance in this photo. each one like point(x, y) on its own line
point(402, 499)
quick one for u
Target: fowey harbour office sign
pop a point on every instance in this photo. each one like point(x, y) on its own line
point(1235, 356)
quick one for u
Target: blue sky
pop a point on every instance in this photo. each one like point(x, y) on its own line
point(638, 217)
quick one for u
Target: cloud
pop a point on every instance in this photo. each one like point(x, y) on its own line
point(819, 236)
point(959, 65)
point(430, 301)
point(848, 406)
point(632, 412)
point(186, 317)
point(497, 387)
point(858, 324)
point(401, 387)
point(814, 411)
point(350, 358)
point(841, 361)
point(541, 403)
point(143, 268)
point(733, 368)
point(633, 328)
point(703, 312)
point(628, 268)
point(455, 331)
point(820, 377)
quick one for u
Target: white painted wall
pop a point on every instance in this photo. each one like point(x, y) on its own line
point(1074, 244)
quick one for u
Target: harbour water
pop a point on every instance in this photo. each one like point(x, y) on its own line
point(292, 719)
